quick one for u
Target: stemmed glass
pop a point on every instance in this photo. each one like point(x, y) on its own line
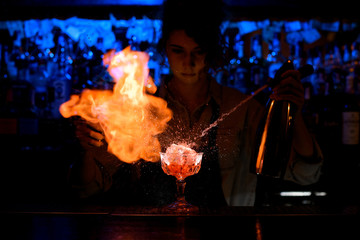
point(181, 165)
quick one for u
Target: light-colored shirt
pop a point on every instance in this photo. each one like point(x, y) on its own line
point(235, 140)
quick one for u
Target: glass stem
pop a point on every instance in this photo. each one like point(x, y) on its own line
point(180, 184)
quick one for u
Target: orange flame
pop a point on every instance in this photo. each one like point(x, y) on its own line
point(130, 118)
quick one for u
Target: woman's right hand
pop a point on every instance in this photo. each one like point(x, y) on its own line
point(89, 134)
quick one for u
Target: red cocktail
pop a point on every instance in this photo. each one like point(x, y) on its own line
point(181, 161)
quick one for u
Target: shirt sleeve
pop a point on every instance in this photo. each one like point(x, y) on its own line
point(305, 170)
point(106, 166)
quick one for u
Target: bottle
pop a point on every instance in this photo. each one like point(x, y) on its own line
point(350, 123)
point(258, 69)
point(40, 82)
point(240, 66)
point(275, 58)
point(81, 66)
point(60, 84)
point(4, 76)
point(344, 160)
point(274, 136)
point(154, 59)
point(4, 73)
point(350, 114)
point(310, 108)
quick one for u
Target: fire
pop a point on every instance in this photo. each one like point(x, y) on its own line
point(130, 118)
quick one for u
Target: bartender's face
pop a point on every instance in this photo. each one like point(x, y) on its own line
point(186, 58)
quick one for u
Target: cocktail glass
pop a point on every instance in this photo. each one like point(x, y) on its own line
point(181, 165)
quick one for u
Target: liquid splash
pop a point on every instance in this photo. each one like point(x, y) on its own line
point(224, 115)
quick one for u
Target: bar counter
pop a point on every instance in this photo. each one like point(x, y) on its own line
point(88, 221)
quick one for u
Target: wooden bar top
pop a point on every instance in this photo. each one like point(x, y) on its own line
point(119, 210)
point(82, 221)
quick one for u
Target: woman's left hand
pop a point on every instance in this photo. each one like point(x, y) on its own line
point(290, 88)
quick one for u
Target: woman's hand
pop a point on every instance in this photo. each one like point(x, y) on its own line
point(89, 134)
point(290, 89)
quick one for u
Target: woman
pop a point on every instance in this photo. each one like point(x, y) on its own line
point(191, 41)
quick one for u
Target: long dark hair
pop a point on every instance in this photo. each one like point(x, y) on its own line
point(201, 20)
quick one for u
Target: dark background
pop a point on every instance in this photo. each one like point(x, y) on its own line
point(24, 9)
